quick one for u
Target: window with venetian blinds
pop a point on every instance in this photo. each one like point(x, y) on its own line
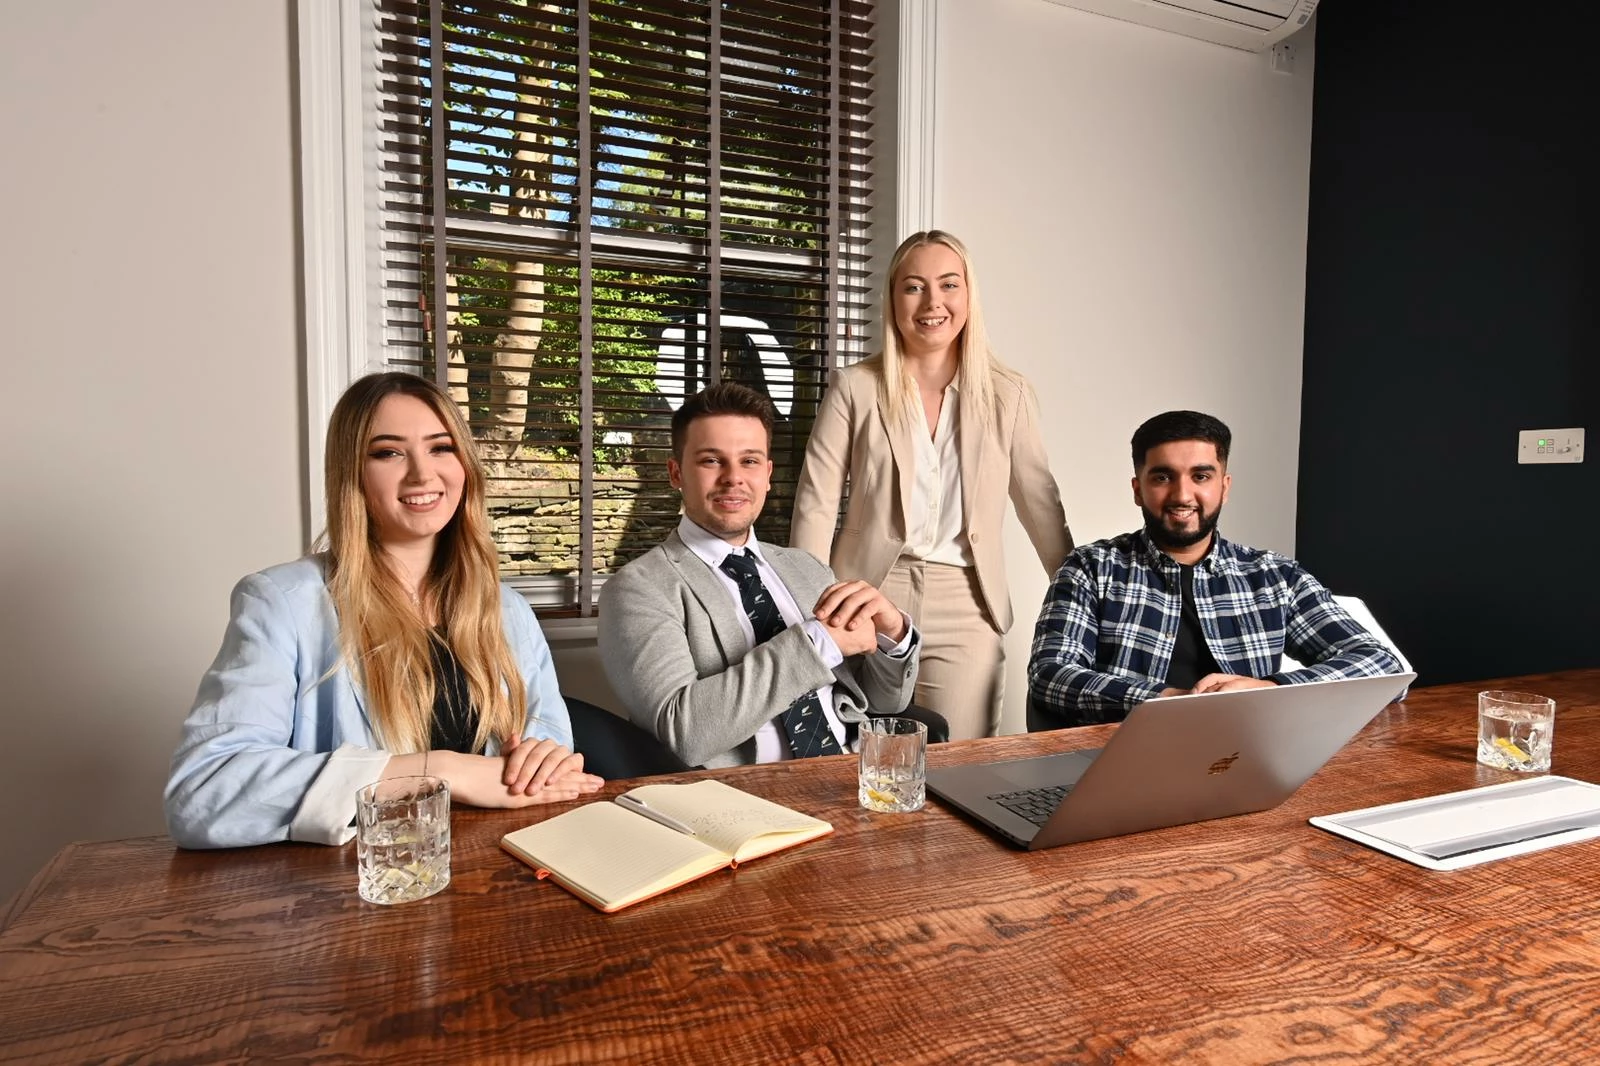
point(590, 210)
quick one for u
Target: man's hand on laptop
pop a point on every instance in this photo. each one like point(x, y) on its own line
point(1230, 683)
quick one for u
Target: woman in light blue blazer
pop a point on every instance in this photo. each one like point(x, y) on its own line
point(395, 651)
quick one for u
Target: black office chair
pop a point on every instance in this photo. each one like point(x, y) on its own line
point(1042, 717)
point(614, 747)
point(938, 728)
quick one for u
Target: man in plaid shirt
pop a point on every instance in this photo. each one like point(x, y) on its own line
point(1174, 608)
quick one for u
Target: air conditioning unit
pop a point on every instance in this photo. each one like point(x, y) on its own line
point(1254, 25)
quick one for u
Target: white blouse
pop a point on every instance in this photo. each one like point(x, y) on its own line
point(937, 533)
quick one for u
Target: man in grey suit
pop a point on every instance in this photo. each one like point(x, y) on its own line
point(735, 651)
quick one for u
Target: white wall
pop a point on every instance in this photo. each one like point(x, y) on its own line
point(156, 451)
point(151, 356)
point(1135, 203)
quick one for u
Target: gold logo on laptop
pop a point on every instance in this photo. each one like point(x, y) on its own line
point(1221, 765)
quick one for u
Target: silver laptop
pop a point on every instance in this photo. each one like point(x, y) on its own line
point(1174, 760)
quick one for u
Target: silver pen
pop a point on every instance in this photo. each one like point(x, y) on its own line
point(638, 807)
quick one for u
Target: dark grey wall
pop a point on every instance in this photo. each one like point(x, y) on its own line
point(1450, 301)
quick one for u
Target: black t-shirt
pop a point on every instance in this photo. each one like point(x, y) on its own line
point(455, 719)
point(1191, 659)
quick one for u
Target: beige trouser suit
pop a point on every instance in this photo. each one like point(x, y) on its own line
point(962, 610)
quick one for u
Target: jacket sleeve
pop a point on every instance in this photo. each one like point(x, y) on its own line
point(644, 645)
point(235, 779)
point(1062, 672)
point(887, 682)
point(1033, 488)
point(547, 711)
point(1321, 634)
point(822, 477)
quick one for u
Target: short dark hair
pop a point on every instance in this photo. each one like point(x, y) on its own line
point(1180, 425)
point(727, 398)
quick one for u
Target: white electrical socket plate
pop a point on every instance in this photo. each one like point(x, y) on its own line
point(1550, 446)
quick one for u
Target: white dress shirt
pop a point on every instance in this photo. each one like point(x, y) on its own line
point(936, 532)
point(772, 745)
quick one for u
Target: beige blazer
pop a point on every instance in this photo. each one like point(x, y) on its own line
point(854, 442)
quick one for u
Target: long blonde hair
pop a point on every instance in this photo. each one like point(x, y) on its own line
point(384, 637)
point(977, 366)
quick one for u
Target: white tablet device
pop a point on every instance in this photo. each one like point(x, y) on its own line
point(1476, 825)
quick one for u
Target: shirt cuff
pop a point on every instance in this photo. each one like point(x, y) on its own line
point(822, 640)
point(329, 807)
point(901, 648)
point(1141, 692)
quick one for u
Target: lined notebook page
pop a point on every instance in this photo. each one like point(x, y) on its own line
point(613, 854)
point(732, 821)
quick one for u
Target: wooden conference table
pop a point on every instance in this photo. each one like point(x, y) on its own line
point(898, 939)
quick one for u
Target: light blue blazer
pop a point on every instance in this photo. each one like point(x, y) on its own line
point(279, 738)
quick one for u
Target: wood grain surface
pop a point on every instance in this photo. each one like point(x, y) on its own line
point(898, 939)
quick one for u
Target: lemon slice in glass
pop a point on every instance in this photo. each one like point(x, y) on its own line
point(1509, 746)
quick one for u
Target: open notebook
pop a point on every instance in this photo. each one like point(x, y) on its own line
point(612, 856)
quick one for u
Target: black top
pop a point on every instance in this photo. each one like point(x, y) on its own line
point(1191, 659)
point(455, 719)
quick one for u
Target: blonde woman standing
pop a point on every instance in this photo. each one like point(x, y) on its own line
point(395, 649)
point(931, 436)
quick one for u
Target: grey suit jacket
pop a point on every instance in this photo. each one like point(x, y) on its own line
point(673, 648)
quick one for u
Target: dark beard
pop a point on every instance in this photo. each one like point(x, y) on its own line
point(1166, 540)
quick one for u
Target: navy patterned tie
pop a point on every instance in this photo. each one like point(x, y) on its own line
point(803, 723)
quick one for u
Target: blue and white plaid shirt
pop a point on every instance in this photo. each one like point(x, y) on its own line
point(1104, 641)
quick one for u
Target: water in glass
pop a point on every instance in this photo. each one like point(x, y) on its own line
point(403, 839)
point(402, 859)
point(893, 771)
point(1510, 739)
point(892, 789)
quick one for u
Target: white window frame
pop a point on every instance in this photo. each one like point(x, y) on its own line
point(339, 194)
point(338, 176)
point(916, 94)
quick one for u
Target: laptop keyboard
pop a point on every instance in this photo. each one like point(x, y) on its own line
point(1034, 804)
